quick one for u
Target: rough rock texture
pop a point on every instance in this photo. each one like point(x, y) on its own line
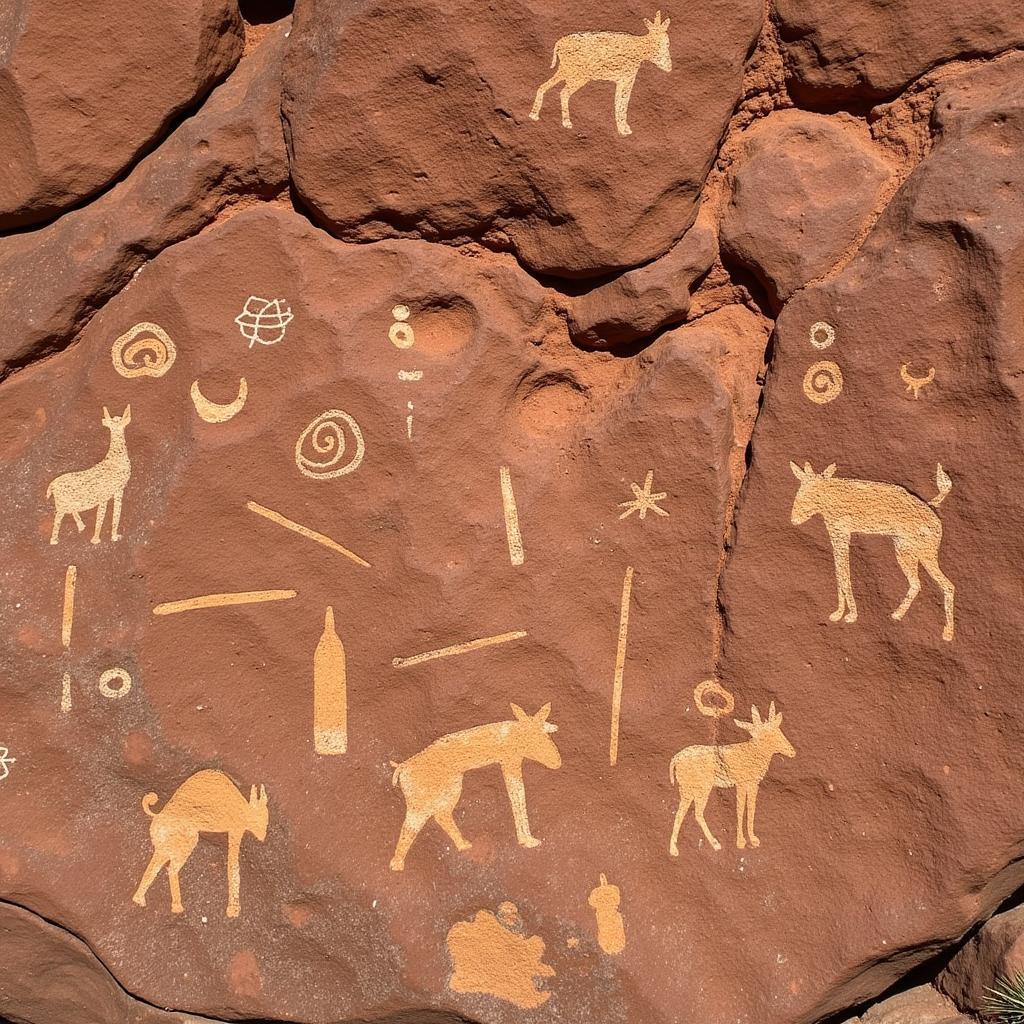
point(436, 141)
point(786, 221)
point(231, 151)
point(84, 88)
point(615, 407)
point(995, 953)
point(839, 51)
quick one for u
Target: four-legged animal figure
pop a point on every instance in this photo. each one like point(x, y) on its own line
point(699, 770)
point(96, 486)
point(431, 780)
point(207, 802)
point(863, 506)
point(605, 57)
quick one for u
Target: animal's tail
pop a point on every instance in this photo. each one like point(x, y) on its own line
point(49, 489)
point(398, 772)
point(147, 802)
point(672, 769)
point(554, 56)
point(944, 484)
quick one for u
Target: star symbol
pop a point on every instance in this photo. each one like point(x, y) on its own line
point(644, 499)
point(4, 762)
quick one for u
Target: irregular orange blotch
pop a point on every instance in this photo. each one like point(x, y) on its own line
point(10, 866)
point(244, 974)
point(296, 915)
point(31, 637)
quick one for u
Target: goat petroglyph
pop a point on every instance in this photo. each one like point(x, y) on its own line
point(586, 57)
point(326, 436)
point(492, 955)
point(213, 412)
point(206, 802)
point(431, 780)
point(863, 506)
point(97, 486)
point(144, 351)
point(698, 770)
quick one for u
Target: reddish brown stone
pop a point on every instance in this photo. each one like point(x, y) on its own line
point(837, 50)
point(786, 221)
point(436, 141)
point(84, 88)
point(994, 954)
point(233, 150)
point(921, 1005)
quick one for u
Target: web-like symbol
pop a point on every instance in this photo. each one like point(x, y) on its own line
point(264, 320)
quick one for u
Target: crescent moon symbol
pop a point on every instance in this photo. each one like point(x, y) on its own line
point(214, 413)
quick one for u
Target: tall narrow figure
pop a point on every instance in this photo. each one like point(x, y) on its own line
point(330, 695)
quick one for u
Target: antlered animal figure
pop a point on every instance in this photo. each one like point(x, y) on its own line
point(97, 486)
point(431, 780)
point(605, 57)
point(699, 770)
point(207, 802)
point(863, 506)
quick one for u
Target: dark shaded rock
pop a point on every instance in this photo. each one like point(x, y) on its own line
point(995, 953)
point(86, 87)
point(802, 192)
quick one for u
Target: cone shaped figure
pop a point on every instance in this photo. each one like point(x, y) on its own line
point(330, 697)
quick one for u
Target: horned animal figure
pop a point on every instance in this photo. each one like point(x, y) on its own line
point(605, 57)
point(863, 506)
point(698, 770)
point(431, 780)
point(96, 486)
point(207, 802)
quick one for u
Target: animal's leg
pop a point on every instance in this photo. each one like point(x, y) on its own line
point(517, 797)
point(741, 803)
point(931, 564)
point(414, 822)
point(101, 514)
point(58, 518)
point(841, 556)
point(183, 845)
point(156, 862)
point(684, 806)
point(78, 521)
point(906, 555)
point(443, 816)
point(623, 90)
point(751, 808)
point(172, 876)
point(234, 879)
point(541, 92)
point(700, 801)
point(567, 91)
point(115, 517)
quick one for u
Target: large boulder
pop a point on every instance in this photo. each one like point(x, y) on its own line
point(843, 50)
point(994, 954)
point(415, 121)
point(86, 87)
point(786, 221)
point(907, 730)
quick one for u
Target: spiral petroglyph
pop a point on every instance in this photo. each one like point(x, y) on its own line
point(326, 436)
point(144, 351)
point(823, 382)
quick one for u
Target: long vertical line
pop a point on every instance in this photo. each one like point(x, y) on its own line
point(508, 501)
point(620, 663)
point(68, 618)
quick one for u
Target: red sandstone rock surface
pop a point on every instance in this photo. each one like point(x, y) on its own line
point(526, 571)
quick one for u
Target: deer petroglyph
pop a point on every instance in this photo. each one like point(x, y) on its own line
point(700, 769)
point(586, 57)
point(863, 506)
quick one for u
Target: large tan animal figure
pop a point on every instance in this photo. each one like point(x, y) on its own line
point(699, 770)
point(431, 780)
point(207, 802)
point(605, 57)
point(862, 506)
point(97, 486)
